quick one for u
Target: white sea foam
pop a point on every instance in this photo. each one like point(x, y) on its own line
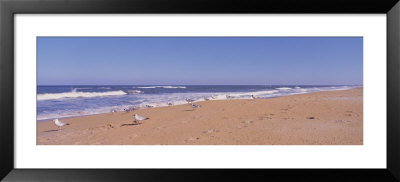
point(342, 88)
point(69, 113)
point(284, 88)
point(75, 94)
point(297, 87)
point(265, 92)
point(245, 95)
point(146, 87)
point(134, 92)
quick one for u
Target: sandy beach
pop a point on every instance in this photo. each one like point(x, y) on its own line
point(321, 118)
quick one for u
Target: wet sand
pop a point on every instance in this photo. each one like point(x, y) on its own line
point(321, 118)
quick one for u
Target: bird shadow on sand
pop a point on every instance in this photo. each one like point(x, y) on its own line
point(50, 130)
point(129, 124)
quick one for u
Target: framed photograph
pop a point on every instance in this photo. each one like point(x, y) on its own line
point(122, 91)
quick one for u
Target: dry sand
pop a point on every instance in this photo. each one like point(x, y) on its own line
point(322, 118)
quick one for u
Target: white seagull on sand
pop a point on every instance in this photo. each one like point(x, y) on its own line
point(59, 123)
point(194, 106)
point(139, 119)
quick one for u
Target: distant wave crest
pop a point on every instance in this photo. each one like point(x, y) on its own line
point(75, 94)
point(134, 92)
point(172, 86)
point(284, 88)
point(162, 87)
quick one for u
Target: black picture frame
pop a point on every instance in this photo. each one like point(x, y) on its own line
point(8, 8)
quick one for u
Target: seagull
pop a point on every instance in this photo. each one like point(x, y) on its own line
point(194, 106)
point(189, 100)
point(228, 96)
point(129, 109)
point(170, 104)
point(139, 119)
point(252, 96)
point(59, 123)
point(149, 106)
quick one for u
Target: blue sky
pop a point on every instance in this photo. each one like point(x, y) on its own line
point(199, 60)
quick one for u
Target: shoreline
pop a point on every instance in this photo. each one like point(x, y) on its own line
point(282, 120)
point(66, 117)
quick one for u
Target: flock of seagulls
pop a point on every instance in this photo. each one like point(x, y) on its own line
point(189, 101)
point(140, 119)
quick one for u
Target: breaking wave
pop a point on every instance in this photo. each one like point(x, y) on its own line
point(134, 92)
point(75, 94)
point(171, 86)
point(284, 88)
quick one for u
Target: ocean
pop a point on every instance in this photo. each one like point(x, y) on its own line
point(73, 100)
